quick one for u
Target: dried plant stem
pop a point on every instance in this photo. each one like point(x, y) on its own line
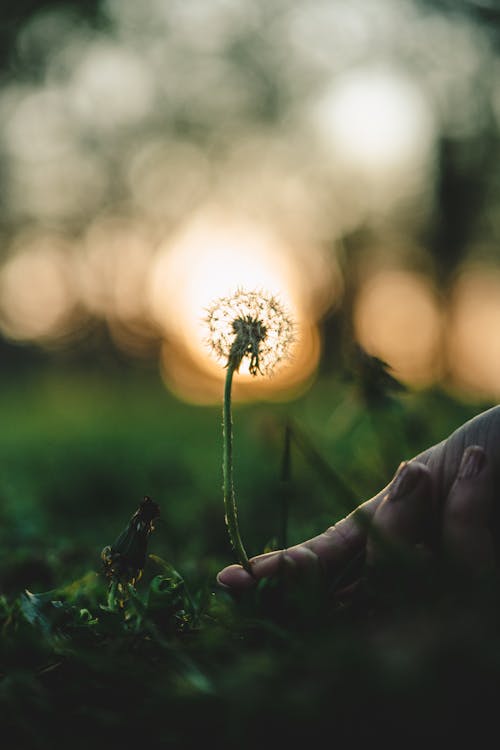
point(345, 496)
point(231, 513)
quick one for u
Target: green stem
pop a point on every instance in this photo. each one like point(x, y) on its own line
point(112, 596)
point(285, 486)
point(231, 513)
point(346, 497)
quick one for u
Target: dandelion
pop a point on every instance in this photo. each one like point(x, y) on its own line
point(255, 326)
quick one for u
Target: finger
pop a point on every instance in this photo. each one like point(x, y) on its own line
point(403, 518)
point(333, 548)
point(338, 543)
point(235, 577)
point(444, 458)
point(295, 560)
point(467, 537)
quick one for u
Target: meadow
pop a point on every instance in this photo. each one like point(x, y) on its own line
point(181, 660)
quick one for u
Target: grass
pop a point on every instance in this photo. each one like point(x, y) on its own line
point(182, 663)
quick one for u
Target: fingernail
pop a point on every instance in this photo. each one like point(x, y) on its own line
point(221, 583)
point(473, 460)
point(405, 480)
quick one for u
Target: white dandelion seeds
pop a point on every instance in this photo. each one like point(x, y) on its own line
point(250, 324)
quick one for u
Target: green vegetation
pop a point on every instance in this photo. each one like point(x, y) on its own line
point(180, 663)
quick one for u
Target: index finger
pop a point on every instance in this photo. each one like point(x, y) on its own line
point(333, 548)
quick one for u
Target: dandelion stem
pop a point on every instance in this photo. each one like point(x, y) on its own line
point(231, 513)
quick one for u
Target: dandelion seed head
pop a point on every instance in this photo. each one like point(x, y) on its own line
point(250, 324)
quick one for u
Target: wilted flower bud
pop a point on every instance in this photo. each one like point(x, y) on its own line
point(124, 560)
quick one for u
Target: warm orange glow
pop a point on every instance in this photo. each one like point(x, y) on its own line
point(113, 269)
point(186, 377)
point(132, 148)
point(212, 258)
point(397, 318)
point(37, 297)
point(474, 341)
point(50, 284)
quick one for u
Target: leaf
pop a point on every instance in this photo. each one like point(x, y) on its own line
point(374, 378)
point(166, 567)
point(49, 614)
point(169, 602)
point(35, 608)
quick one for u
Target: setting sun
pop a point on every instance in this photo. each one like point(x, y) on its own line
point(212, 258)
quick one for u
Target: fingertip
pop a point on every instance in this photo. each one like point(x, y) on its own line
point(410, 477)
point(467, 536)
point(403, 519)
point(470, 498)
point(235, 577)
point(472, 463)
point(423, 471)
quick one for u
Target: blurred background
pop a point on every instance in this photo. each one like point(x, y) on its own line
point(341, 154)
point(156, 155)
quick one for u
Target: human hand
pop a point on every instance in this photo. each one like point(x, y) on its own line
point(443, 498)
